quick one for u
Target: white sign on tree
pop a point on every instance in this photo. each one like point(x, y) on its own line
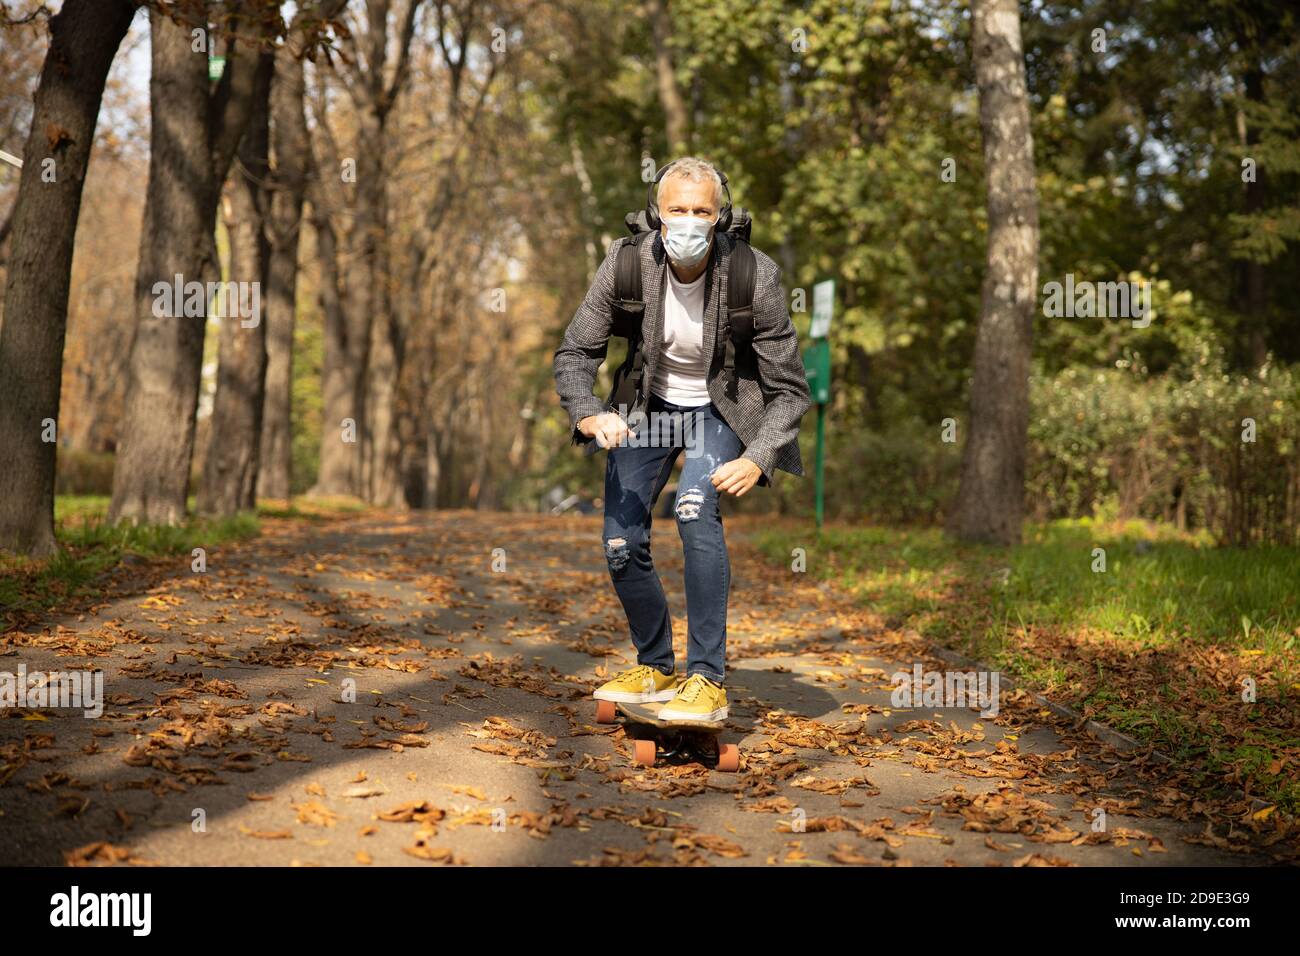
point(823, 307)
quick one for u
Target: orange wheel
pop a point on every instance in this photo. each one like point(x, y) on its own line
point(643, 752)
point(605, 711)
point(728, 758)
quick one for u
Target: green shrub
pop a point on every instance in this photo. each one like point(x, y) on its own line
point(1114, 442)
point(1171, 448)
point(83, 472)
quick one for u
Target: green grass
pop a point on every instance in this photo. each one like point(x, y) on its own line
point(1123, 645)
point(89, 546)
point(1180, 589)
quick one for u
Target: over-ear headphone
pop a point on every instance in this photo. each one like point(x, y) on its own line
point(652, 205)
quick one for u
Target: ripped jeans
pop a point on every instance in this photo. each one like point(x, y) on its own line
point(635, 474)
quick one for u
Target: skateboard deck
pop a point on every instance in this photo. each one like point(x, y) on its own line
point(672, 741)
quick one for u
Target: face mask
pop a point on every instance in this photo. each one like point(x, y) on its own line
point(687, 239)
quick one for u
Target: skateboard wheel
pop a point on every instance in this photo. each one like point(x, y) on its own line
point(643, 752)
point(605, 711)
point(728, 758)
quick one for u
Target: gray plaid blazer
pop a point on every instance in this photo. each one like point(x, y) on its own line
point(763, 404)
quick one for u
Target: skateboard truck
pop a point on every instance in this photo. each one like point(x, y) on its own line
point(670, 741)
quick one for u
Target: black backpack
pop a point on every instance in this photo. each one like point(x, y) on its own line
point(629, 306)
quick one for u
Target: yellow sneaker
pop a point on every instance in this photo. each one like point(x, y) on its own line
point(699, 699)
point(638, 685)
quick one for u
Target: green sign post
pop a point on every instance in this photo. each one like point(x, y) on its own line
point(817, 366)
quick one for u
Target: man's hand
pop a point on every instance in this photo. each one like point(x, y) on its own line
point(608, 429)
point(736, 477)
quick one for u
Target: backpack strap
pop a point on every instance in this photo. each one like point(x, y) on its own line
point(629, 302)
point(626, 313)
point(741, 278)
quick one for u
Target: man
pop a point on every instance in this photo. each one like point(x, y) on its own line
point(737, 420)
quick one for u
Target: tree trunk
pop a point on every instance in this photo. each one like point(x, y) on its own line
point(1254, 275)
point(432, 466)
point(344, 357)
point(291, 153)
point(290, 149)
point(384, 487)
point(84, 38)
point(234, 442)
point(371, 470)
point(412, 389)
point(990, 499)
point(676, 118)
point(194, 136)
point(364, 285)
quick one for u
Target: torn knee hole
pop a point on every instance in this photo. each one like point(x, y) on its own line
point(689, 503)
point(616, 553)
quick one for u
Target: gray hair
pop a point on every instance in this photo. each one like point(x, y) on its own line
point(695, 170)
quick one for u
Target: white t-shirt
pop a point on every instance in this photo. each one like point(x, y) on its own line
point(681, 375)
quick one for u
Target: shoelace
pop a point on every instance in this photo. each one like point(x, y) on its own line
point(691, 689)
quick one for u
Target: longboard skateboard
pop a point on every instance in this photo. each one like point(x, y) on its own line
point(672, 741)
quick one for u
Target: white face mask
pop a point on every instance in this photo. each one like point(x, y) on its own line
point(686, 239)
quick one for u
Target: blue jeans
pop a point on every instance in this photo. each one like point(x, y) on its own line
point(635, 474)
